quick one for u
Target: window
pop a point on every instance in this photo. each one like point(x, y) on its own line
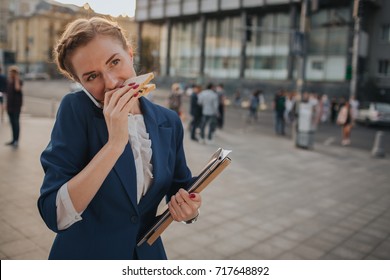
point(385, 34)
point(267, 53)
point(317, 65)
point(384, 68)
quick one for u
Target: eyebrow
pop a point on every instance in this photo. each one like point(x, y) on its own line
point(108, 61)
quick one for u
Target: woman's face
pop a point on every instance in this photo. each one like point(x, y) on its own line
point(102, 65)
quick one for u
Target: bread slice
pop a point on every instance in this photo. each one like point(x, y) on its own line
point(146, 89)
point(141, 80)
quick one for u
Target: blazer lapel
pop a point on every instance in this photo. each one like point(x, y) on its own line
point(161, 141)
point(125, 165)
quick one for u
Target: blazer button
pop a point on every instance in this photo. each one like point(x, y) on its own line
point(134, 219)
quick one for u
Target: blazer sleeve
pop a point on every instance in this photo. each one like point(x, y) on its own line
point(182, 174)
point(64, 157)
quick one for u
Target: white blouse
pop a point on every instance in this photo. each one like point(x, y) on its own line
point(141, 146)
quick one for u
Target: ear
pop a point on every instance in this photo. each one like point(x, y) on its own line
point(130, 52)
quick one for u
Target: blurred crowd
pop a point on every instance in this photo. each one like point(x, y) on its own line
point(207, 107)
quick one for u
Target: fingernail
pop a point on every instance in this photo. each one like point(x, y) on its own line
point(135, 87)
point(135, 94)
point(192, 195)
point(131, 84)
point(121, 86)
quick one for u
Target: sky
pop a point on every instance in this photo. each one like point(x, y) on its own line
point(112, 7)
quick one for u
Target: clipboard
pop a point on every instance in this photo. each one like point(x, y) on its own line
point(217, 163)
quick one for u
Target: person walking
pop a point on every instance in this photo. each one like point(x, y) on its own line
point(254, 103)
point(14, 103)
point(334, 108)
point(279, 105)
point(208, 99)
point(195, 111)
point(175, 98)
point(113, 156)
point(3, 88)
point(345, 119)
point(220, 90)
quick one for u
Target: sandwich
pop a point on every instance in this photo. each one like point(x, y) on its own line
point(143, 82)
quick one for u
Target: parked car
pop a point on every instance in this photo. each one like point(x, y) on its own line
point(374, 113)
point(36, 76)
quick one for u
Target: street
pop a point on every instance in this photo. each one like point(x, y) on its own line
point(327, 134)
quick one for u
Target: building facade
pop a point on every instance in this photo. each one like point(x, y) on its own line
point(32, 35)
point(263, 43)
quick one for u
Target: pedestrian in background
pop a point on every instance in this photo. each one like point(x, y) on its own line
point(175, 98)
point(279, 106)
point(113, 156)
point(14, 103)
point(237, 99)
point(3, 88)
point(345, 120)
point(254, 104)
point(220, 90)
point(334, 108)
point(290, 102)
point(195, 111)
point(325, 108)
point(354, 107)
point(208, 99)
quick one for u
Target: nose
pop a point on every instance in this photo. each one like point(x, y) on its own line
point(110, 81)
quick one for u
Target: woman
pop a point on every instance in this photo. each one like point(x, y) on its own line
point(14, 103)
point(174, 99)
point(345, 120)
point(106, 171)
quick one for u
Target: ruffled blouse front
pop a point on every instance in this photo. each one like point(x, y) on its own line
point(142, 151)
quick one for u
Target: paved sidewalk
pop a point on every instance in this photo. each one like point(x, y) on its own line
point(273, 202)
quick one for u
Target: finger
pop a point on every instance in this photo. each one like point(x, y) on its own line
point(190, 198)
point(125, 99)
point(179, 198)
point(175, 203)
point(195, 197)
point(192, 202)
point(133, 101)
point(107, 98)
point(175, 209)
point(114, 95)
point(172, 211)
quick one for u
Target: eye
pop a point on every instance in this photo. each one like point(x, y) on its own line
point(115, 61)
point(91, 77)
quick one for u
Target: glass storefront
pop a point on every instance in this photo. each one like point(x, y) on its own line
point(185, 49)
point(267, 52)
point(328, 45)
point(223, 46)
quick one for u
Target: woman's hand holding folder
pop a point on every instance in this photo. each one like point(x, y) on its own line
point(184, 206)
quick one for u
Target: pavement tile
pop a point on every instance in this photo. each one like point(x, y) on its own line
point(382, 251)
point(295, 235)
point(18, 247)
point(320, 243)
point(309, 253)
point(8, 233)
point(289, 256)
point(281, 242)
point(265, 251)
point(365, 248)
point(347, 253)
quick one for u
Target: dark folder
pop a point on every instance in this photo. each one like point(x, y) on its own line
point(217, 163)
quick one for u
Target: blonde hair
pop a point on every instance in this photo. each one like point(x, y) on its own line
point(79, 33)
point(14, 68)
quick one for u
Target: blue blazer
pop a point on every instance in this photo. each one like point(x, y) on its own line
point(113, 221)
